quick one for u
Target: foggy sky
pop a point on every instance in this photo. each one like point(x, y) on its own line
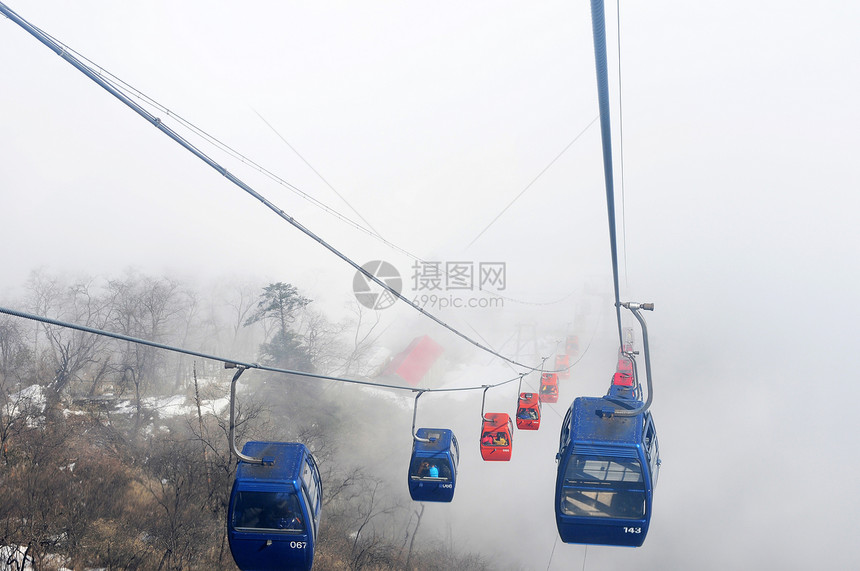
point(740, 200)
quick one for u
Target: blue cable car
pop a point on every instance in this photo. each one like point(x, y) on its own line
point(608, 460)
point(607, 470)
point(433, 469)
point(274, 511)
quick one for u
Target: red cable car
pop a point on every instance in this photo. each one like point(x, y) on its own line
point(562, 365)
point(496, 432)
point(625, 366)
point(622, 380)
point(571, 345)
point(549, 387)
point(528, 412)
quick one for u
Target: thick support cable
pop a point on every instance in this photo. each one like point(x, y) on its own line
point(598, 24)
point(50, 43)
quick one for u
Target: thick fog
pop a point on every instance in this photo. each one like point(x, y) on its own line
point(443, 126)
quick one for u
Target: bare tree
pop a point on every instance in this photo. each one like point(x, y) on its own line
point(363, 339)
point(322, 340)
point(178, 487)
point(240, 301)
point(15, 356)
point(370, 545)
point(16, 406)
point(419, 514)
point(144, 308)
point(71, 351)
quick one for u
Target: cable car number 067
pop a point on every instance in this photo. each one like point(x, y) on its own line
point(298, 544)
point(632, 530)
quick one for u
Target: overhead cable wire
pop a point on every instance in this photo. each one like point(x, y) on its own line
point(552, 553)
point(316, 172)
point(534, 180)
point(35, 32)
point(148, 343)
point(598, 24)
point(521, 302)
point(131, 91)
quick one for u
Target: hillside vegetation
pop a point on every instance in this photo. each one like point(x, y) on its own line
point(115, 455)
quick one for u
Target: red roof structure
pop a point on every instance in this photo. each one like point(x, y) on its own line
point(413, 363)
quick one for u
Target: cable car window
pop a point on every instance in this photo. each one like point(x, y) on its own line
point(655, 461)
point(498, 438)
point(527, 413)
point(429, 469)
point(628, 504)
point(648, 438)
point(277, 511)
point(564, 436)
point(603, 486)
point(603, 469)
point(311, 486)
point(309, 510)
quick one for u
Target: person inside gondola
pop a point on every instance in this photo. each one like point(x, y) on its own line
point(523, 413)
point(291, 522)
point(434, 471)
point(249, 517)
point(285, 514)
point(487, 439)
point(424, 470)
point(500, 439)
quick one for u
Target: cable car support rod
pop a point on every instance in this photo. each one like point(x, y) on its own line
point(634, 308)
point(414, 415)
point(239, 370)
point(484, 401)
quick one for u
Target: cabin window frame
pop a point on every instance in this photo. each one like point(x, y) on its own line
point(625, 491)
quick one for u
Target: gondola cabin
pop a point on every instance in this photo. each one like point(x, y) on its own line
point(433, 468)
point(562, 365)
point(549, 387)
point(625, 366)
point(496, 437)
point(274, 511)
point(571, 345)
point(528, 411)
point(607, 470)
point(623, 380)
